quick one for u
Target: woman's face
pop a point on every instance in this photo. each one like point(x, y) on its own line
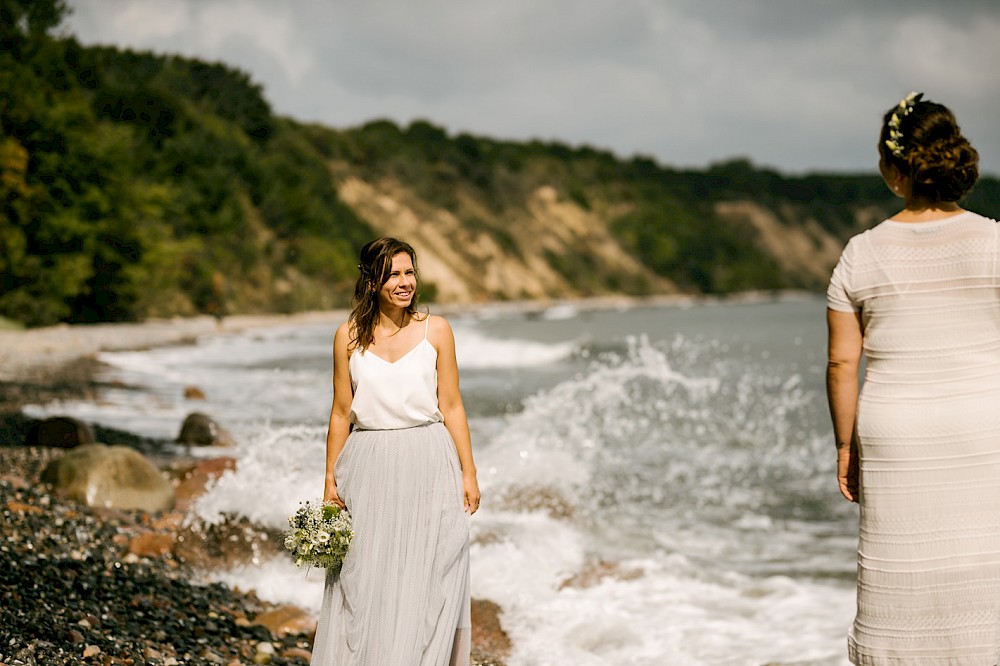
point(398, 290)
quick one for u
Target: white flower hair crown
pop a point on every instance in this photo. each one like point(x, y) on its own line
point(894, 142)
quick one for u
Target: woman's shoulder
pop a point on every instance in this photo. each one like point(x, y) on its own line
point(343, 331)
point(425, 317)
point(435, 323)
point(980, 218)
point(344, 337)
point(438, 331)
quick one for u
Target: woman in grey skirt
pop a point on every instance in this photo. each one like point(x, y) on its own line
point(399, 458)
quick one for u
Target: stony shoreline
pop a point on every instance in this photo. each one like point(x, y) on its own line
point(88, 585)
point(74, 594)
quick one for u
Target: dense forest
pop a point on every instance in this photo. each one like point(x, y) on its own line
point(135, 185)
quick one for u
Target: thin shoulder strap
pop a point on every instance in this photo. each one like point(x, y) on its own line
point(427, 324)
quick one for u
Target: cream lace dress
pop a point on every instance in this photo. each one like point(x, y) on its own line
point(928, 423)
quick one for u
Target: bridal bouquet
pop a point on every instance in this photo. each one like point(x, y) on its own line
point(319, 536)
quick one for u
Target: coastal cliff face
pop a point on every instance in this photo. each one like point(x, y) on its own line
point(545, 243)
point(529, 252)
point(799, 245)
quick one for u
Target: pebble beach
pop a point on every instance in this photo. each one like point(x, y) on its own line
point(94, 585)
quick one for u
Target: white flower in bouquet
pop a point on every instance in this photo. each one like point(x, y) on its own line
point(319, 535)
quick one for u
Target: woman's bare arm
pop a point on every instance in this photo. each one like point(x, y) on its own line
point(451, 406)
point(844, 362)
point(340, 412)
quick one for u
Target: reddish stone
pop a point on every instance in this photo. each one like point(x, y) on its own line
point(487, 634)
point(297, 653)
point(193, 393)
point(15, 482)
point(168, 522)
point(194, 481)
point(286, 620)
point(151, 544)
point(21, 507)
point(594, 572)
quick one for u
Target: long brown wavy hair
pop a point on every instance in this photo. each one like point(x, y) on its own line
point(373, 272)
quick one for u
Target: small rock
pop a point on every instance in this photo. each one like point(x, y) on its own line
point(16, 482)
point(91, 651)
point(487, 634)
point(194, 481)
point(193, 393)
point(201, 430)
point(211, 656)
point(21, 507)
point(286, 620)
point(74, 637)
point(596, 571)
point(59, 431)
point(264, 653)
point(151, 544)
point(168, 522)
point(549, 499)
point(297, 653)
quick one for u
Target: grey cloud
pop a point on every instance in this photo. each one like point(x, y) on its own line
point(794, 84)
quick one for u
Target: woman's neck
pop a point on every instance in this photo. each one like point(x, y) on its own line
point(391, 320)
point(919, 210)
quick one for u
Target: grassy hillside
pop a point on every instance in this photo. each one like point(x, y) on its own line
point(135, 185)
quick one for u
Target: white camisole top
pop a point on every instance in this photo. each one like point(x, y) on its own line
point(390, 396)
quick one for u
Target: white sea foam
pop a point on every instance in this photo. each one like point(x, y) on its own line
point(279, 581)
point(276, 470)
point(478, 351)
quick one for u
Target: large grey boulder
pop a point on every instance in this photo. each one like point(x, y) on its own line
point(110, 476)
point(201, 430)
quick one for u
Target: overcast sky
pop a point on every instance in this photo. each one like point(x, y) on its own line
point(799, 85)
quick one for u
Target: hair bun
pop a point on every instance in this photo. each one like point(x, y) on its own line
point(926, 144)
point(944, 169)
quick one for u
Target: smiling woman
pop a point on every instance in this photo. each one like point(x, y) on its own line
point(399, 458)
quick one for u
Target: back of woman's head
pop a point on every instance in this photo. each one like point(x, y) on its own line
point(923, 140)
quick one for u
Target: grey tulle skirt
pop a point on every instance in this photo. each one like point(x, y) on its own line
point(402, 596)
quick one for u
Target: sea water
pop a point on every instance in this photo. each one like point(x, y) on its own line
point(658, 482)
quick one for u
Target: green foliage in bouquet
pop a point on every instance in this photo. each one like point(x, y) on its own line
point(319, 535)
